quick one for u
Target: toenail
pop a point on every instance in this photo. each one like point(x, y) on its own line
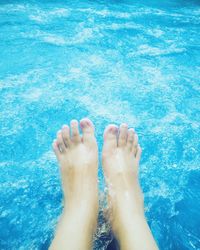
point(74, 122)
point(64, 126)
point(124, 125)
point(86, 121)
point(85, 124)
point(110, 129)
point(82, 124)
point(113, 129)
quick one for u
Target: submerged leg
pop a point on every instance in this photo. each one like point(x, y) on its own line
point(121, 155)
point(78, 159)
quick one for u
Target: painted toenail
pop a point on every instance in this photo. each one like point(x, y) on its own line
point(113, 130)
point(87, 123)
point(83, 124)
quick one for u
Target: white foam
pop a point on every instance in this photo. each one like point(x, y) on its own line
point(155, 51)
point(54, 39)
point(32, 94)
point(116, 111)
point(42, 16)
point(155, 32)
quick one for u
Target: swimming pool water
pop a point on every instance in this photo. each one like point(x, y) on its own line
point(112, 61)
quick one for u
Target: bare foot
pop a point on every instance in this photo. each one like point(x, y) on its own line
point(121, 156)
point(78, 159)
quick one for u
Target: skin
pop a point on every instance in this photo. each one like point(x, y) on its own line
point(121, 155)
point(78, 159)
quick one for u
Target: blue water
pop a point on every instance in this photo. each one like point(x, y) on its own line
point(112, 61)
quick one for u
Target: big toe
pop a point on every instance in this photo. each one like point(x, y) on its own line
point(88, 130)
point(110, 136)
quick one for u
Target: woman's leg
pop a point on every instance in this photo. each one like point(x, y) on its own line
point(121, 155)
point(78, 159)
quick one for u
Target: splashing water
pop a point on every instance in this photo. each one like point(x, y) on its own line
point(113, 61)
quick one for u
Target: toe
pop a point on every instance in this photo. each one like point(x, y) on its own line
point(75, 131)
point(138, 153)
point(60, 142)
point(135, 144)
point(123, 133)
point(56, 149)
point(130, 138)
point(110, 136)
point(87, 129)
point(87, 126)
point(66, 135)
